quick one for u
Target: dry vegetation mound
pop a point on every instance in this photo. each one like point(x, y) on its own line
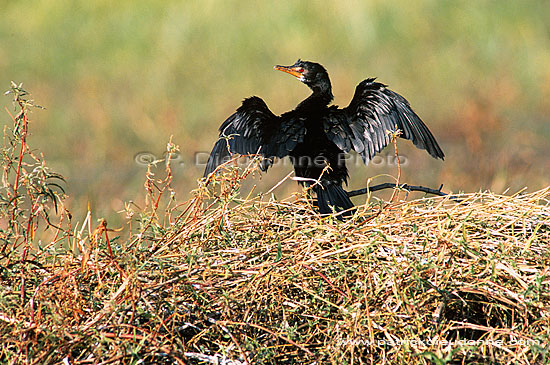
point(226, 279)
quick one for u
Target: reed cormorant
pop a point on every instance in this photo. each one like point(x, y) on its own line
point(316, 134)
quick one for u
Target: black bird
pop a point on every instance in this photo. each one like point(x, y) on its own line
point(316, 135)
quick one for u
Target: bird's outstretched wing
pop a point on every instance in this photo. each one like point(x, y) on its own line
point(373, 112)
point(254, 129)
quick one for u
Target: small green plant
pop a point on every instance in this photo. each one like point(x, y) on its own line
point(29, 188)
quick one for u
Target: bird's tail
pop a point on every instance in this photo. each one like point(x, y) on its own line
point(331, 198)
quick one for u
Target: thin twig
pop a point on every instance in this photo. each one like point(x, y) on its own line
point(393, 186)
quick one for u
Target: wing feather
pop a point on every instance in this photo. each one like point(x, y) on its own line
point(254, 129)
point(373, 112)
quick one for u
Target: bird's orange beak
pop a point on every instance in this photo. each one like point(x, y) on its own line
point(293, 70)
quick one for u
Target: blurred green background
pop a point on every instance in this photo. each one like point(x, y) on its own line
point(119, 78)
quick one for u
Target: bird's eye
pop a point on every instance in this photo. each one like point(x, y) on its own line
point(300, 70)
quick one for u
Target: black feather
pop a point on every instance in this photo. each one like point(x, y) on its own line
point(332, 198)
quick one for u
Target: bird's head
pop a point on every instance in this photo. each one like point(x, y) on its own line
point(310, 73)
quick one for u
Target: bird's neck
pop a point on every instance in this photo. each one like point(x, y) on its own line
point(321, 97)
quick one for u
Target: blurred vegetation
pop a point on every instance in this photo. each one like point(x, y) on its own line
point(268, 279)
point(120, 78)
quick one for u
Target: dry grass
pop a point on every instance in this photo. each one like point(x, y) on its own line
point(231, 279)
